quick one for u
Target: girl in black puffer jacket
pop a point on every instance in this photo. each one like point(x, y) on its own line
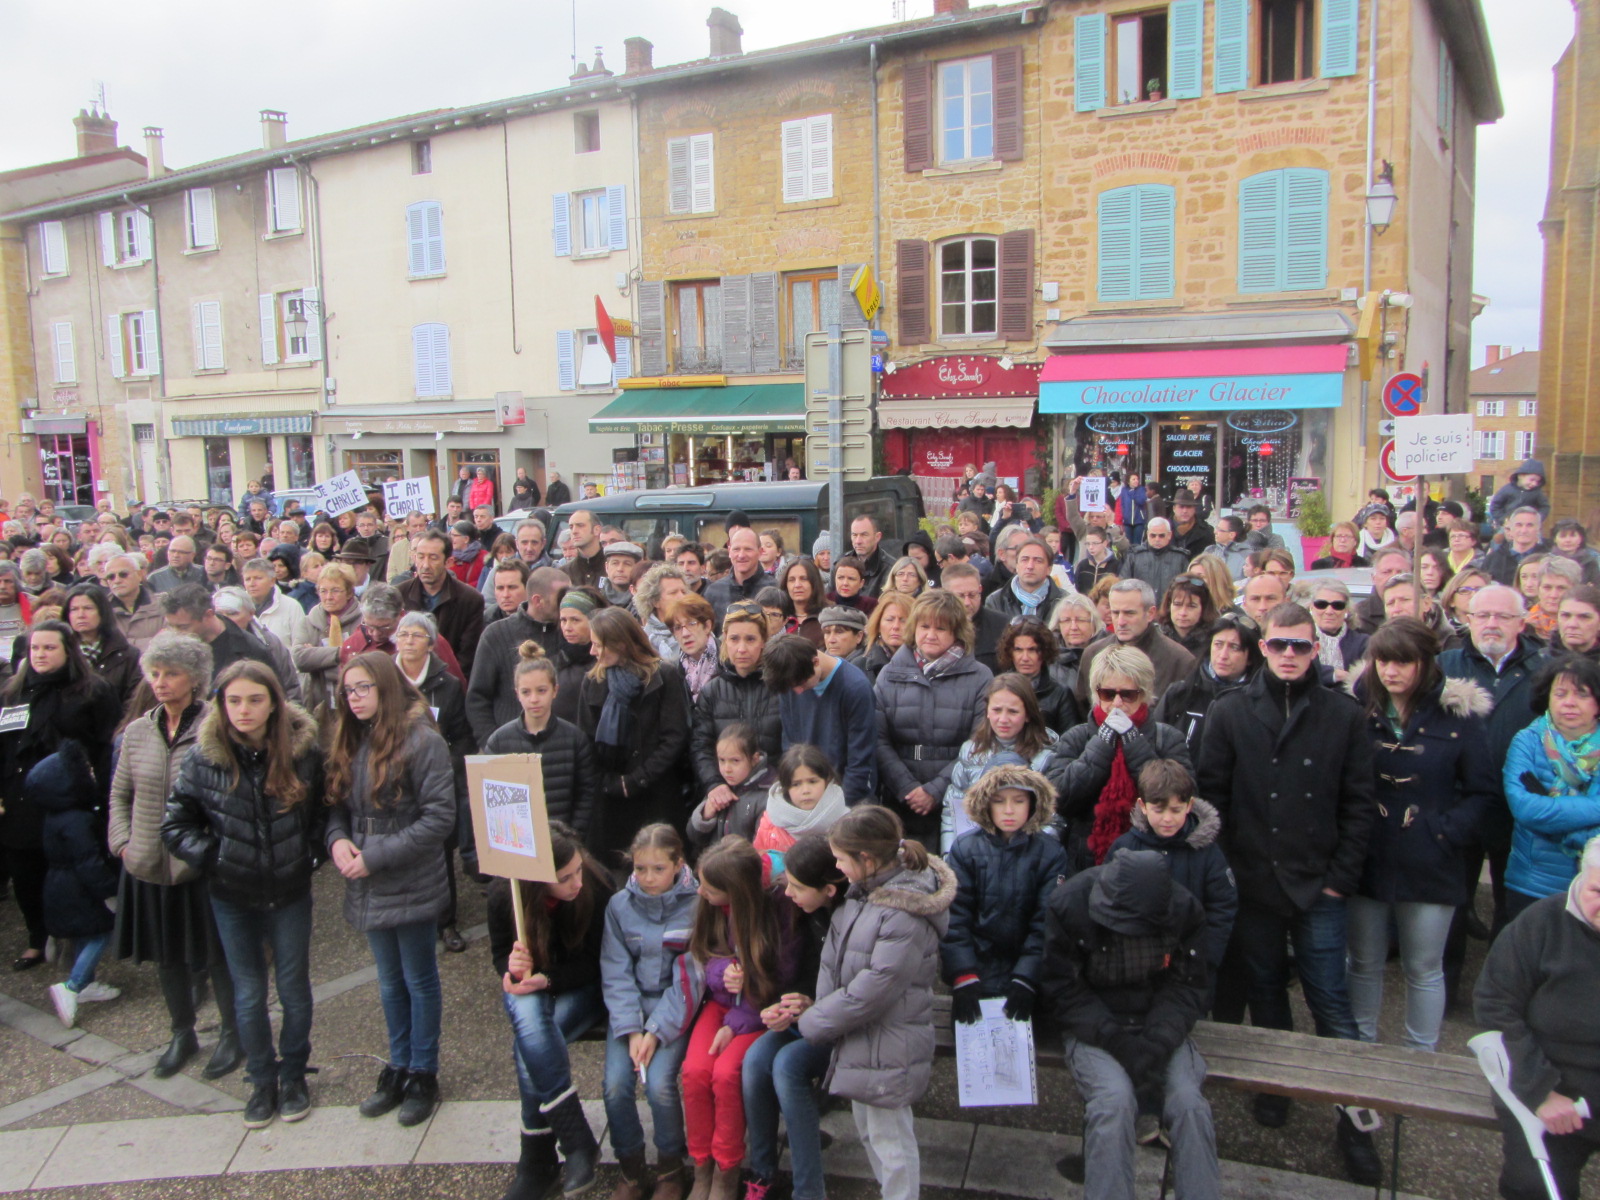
point(571, 779)
point(736, 695)
point(248, 811)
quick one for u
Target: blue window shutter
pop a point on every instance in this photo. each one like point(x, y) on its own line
point(1186, 21)
point(566, 360)
point(1155, 206)
point(1089, 40)
point(422, 359)
point(624, 364)
point(1231, 51)
point(442, 379)
point(1305, 227)
point(416, 253)
point(617, 217)
point(1116, 244)
point(1340, 30)
point(561, 205)
point(1261, 232)
point(433, 237)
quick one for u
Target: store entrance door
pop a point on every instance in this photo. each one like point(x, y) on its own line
point(1186, 451)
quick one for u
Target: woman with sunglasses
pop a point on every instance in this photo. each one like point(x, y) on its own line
point(1095, 765)
point(1187, 613)
point(1339, 644)
point(1232, 658)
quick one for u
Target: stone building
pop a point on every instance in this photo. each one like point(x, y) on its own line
point(1505, 415)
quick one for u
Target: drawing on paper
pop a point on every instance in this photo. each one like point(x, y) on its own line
point(994, 1059)
point(508, 813)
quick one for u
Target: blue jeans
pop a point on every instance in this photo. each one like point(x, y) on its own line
point(88, 959)
point(542, 1026)
point(1319, 936)
point(1424, 929)
point(408, 987)
point(244, 931)
point(660, 1089)
point(780, 1072)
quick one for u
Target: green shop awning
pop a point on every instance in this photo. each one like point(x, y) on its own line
point(747, 408)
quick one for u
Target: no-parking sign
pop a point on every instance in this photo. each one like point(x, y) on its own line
point(1386, 460)
point(1403, 395)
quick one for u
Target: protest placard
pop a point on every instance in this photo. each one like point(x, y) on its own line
point(340, 494)
point(408, 496)
point(506, 795)
point(1092, 494)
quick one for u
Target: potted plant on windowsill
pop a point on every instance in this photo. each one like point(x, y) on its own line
point(1153, 89)
point(1315, 525)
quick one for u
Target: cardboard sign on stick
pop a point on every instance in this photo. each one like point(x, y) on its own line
point(506, 792)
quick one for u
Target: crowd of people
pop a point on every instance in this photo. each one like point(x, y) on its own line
point(1116, 773)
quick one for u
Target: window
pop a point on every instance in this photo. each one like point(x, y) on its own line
point(124, 237)
point(53, 247)
point(143, 432)
point(807, 146)
point(1138, 56)
point(691, 186)
point(65, 355)
point(1283, 231)
point(1527, 408)
point(1491, 444)
point(966, 109)
point(586, 132)
point(968, 287)
point(424, 240)
point(1284, 44)
point(582, 361)
point(696, 317)
point(812, 301)
point(422, 157)
point(219, 470)
point(1270, 41)
point(430, 358)
point(1524, 444)
point(283, 199)
point(1136, 242)
point(594, 366)
point(208, 335)
point(372, 467)
point(592, 221)
point(291, 326)
point(1491, 408)
point(132, 345)
point(200, 211)
point(601, 217)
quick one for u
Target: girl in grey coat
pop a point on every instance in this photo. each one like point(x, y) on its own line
point(392, 788)
point(875, 986)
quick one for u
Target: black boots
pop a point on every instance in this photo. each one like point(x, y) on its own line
point(180, 1050)
point(538, 1169)
point(1354, 1140)
point(422, 1096)
point(387, 1095)
point(227, 1058)
point(578, 1144)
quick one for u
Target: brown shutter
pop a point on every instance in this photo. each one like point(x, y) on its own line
point(911, 265)
point(1016, 285)
point(1008, 104)
point(917, 95)
point(651, 329)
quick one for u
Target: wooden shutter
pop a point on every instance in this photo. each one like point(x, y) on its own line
point(850, 314)
point(1089, 60)
point(561, 226)
point(141, 235)
point(1116, 218)
point(1186, 21)
point(819, 157)
point(1340, 37)
point(416, 240)
point(151, 337)
point(617, 217)
point(1260, 232)
point(792, 151)
point(1305, 229)
point(912, 269)
point(1008, 103)
point(267, 307)
point(443, 377)
point(212, 321)
point(679, 192)
point(624, 363)
point(702, 174)
point(108, 239)
point(766, 340)
point(736, 324)
point(652, 328)
point(53, 248)
point(422, 359)
point(1155, 210)
point(66, 355)
point(566, 360)
point(917, 99)
point(311, 302)
point(1231, 46)
point(202, 218)
point(1016, 285)
point(284, 184)
point(433, 238)
point(197, 334)
point(114, 346)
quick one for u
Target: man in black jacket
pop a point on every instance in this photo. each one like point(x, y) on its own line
point(1288, 764)
point(1190, 532)
point(1521, 539)
point(746, 578)
point(1030, 593)
point(866, 539)
point(492, 693)
point(457, 607)
point(962, 580)
point(188, 610)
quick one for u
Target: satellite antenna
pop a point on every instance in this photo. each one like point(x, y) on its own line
point(99, 101)
point(899, 8)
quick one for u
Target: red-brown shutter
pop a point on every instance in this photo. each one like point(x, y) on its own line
point(1008, 104)
point(917, 96)
point(1016, 285)
point(911, 267)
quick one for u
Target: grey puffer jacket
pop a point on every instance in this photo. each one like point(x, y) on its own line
point(875, 986)
point(645, 935)
point(402, 839)
point(922, 724)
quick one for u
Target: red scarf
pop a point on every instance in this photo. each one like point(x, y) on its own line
point(1342, 560)
point(1112, 811)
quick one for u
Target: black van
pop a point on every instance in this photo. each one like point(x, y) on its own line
point(797, 509)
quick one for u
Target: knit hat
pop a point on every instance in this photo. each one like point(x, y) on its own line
point(823, 545)
point(850, 618)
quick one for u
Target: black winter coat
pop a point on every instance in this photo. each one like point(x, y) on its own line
point(88, 713)
point(1290, 770)
point(1080, 768)
point(574, 661)
point(643, 782)
point(1185, 704)
point(443, 694)
point(117, 662)
point(571, 779)
point(570, 967)
point(997, 920)
point(1056, 702)
point(874, 661)
point(82, 876)
point(1198, 866)
point(492, 693)
point(727, 698)
point(1512, 691)
point(252, 852)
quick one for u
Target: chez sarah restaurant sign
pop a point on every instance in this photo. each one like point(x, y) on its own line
point(958, 391)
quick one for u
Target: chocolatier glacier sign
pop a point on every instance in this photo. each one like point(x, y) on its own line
point(1288, 377)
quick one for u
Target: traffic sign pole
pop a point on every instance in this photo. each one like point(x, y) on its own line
point(836, 442)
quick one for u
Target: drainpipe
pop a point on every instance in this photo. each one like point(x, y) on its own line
point(315, 191)
point(1366, 226)
point(877, 192)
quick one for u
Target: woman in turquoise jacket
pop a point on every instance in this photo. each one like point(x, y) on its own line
point(1552, 782)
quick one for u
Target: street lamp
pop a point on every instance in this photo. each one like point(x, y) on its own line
point(1381, 199)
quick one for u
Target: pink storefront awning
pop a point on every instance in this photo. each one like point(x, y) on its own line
point(1185, 364)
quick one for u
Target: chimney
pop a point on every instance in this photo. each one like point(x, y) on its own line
point(725, 33)
point(637, 53)
point(156, 164)
point(949, 7)
point(599, 68)
point(274, 128)
point(97, 133)
point(1493, 356)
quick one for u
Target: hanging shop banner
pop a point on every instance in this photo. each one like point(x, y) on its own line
point(1188, 452)
point(969, 377)
point(340, 494)
point(1277, 377)
point(408, 496)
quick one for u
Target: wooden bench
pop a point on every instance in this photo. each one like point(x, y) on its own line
point(1393, 1080)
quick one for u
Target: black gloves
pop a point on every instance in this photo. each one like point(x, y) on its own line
point(1019, 1001)
point(1143, 1060)
point(964, 1004)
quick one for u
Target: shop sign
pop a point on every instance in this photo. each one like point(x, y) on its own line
point(512, 409)
point(969, 376)
point(466, 423)
point(1188, 454)
point(773, 423)
point(1298, 487)
point(241, 426)
point(1116, 424)
point(1195, 393)
point(1268, 420)
point(929, 416)
point(634, 382)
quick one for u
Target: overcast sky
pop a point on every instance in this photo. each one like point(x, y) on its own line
point(202, 69)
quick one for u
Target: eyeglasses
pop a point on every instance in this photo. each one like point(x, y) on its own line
point(1336, 605)
point(117, 575)
point(1297, 646)
point(1468, 591)
point(358, 691)
point(1495, 616)
point(1128, 695)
